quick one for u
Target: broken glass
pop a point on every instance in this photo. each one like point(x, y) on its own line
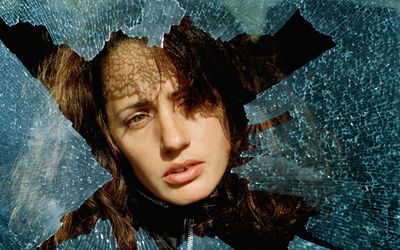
point(340, 150)
point(298, 243)
point(341, 143)
point(101, 235)
point(46, 168)
point(101, 238)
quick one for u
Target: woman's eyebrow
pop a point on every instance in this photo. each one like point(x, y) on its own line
point(137, 105)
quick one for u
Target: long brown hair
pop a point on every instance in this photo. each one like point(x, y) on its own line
point(212, 72)
point(71, 81)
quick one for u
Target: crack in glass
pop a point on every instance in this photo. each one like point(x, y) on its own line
point(339, 149)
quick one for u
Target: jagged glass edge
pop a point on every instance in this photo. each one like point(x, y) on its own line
point(300, 244)
point(85, 26)
point(89, 20)
point(344, 220)
point(301, 2)
point(46, 168)
point(99, 238)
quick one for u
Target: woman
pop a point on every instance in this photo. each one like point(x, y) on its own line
point(169, 124)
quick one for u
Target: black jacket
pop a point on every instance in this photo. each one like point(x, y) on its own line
point(226, 214)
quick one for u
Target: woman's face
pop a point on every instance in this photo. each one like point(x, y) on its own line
point(179, 157)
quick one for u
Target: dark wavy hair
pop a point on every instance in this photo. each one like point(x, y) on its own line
point(226, 74)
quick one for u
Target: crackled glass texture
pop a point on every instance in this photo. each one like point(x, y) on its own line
point(46, 168)
point(340, 149)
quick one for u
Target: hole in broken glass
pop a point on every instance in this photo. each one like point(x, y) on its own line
point(245, 46)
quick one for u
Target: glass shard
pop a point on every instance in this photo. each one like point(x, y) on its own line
point(99, 238)
point(340, 150)
point(46, 168)
point(86, 26)
point(341, 144)
point(300, 244)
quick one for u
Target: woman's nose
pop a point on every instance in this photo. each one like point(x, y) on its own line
point(174, 134)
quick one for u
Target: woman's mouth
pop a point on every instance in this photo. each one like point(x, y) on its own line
point(182, 173)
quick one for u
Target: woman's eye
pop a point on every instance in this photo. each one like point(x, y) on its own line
point(136, 119)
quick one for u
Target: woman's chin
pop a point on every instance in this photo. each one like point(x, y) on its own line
point(184, 201)
point(186, 197)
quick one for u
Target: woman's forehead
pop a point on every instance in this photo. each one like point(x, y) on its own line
point(131, 47)
point(130, 67)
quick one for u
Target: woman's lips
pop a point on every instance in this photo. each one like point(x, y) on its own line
point(182, 173)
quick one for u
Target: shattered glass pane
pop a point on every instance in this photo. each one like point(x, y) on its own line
point(340, 150)
point(298, 244)
point(46, 168)
point(204, 243)
point(101, 235)
point(144, 241)
point(85, 27)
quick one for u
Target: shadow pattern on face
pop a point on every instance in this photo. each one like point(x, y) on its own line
point(131, 68)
